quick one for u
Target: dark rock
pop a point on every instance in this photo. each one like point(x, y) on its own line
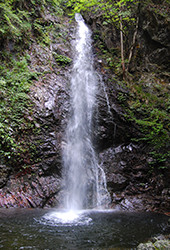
point(132, 204)
point(117, 182)
point(154, 39)
point(4, 174)
point(21, 192)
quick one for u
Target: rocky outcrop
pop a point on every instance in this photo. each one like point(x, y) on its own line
point(39, 184)
point(29, 191)
point(131, 183)
point(160, 242)
point(154, 39)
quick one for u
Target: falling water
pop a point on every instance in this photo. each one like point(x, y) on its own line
point(84, 179)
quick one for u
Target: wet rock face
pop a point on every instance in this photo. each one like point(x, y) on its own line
point(30, 191)
point(110, 126)
point(51, 97)
point(130, 180)
point(39, 184)
point(109, 34)
point(154, 39)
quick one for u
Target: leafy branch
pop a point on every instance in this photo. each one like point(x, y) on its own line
point(117, 13)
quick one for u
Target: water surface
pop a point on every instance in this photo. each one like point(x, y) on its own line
point(46, 229)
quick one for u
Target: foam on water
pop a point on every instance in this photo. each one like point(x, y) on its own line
point(73, 217)
point(58, 218)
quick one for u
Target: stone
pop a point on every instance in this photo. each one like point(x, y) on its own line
point(146, 246)
point(158, 244)
point(132, 204)
point(4, 174)
point(116, 181)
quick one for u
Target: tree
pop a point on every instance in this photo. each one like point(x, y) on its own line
point(119, 13)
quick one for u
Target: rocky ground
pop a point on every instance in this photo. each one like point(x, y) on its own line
point(160, 242)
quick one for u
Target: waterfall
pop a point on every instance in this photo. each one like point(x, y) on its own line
point(84, 179)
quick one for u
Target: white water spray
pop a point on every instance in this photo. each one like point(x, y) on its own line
point(84, 180)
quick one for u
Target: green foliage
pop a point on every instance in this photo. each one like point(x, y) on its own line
point(148, 108)
point(81, 5)
point(161, 8)
point(111, 11)
point(22, 21)
point(61, 59)
point(120, 14)
point(42, 31)
point(153, 131)
point(122, 98)
point(159, 159)
point(20, 18)
point(15, 107)
point(13, 25)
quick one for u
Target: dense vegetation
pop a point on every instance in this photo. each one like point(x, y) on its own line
point(22, 22)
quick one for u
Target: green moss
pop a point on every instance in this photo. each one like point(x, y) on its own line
point(20, 20)
point(21, 23)
point(148, 108)
point(61, 59)
point(15, 109)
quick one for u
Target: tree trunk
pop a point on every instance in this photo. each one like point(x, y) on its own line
point(133, 42)
point(122, 50)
